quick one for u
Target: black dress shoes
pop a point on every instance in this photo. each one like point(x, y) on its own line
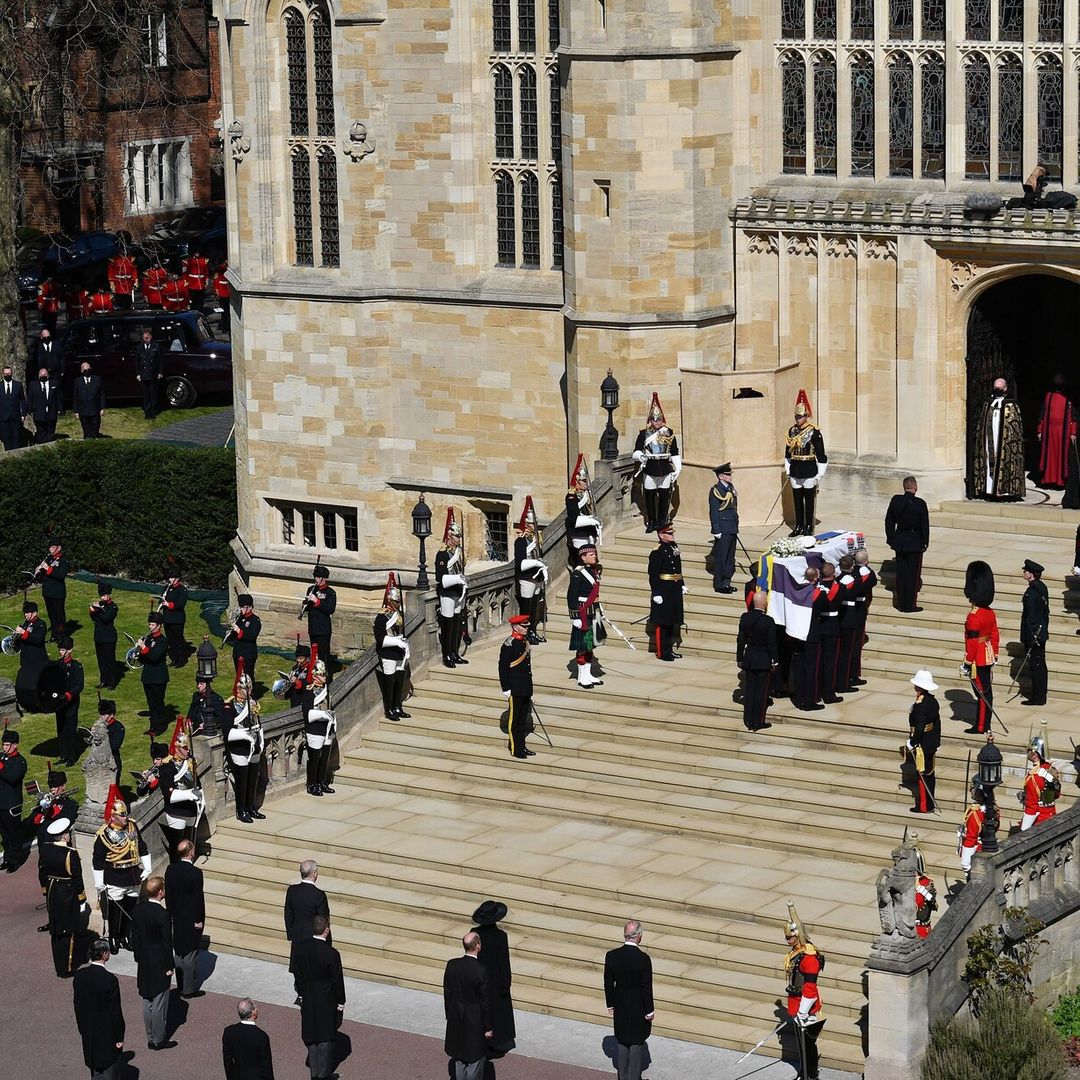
point(326, 789)
point(403, 715)
point(256, 815)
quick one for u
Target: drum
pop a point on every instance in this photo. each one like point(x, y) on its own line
point(41, 689)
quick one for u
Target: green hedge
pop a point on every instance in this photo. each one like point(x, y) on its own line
point(121, 508)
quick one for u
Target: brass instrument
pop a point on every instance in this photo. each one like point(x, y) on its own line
point(306, 602)
point(144, 778)
point(229, 633)
point(7, 645)
point(131, 657)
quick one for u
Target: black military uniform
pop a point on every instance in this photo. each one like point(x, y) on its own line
point(582, 526)
point(1034, 630)
point(65, 898)
point(67, 708)
point(207, 710)
point(866, 580)
point(757, 655)
point(52, 806)
point(392, 649)
point(516, 682)
point(805, 462)
point(174, 602)
point(851, 624)
point(321, 601)
point(829, 629)
point(30, 641)
point(148, 372)
point(12, 774)
point(153, 655)
point(666, 587)
point(54, 587)
point(724, 526)
point(924, 741)
point(298, 675)
point(319, 733)
point(120, 863)
point(450, 588)
point(530, 570)
point(806, 659)
point(115, 730)
point(245, 743)
point(907, 532)
point(103, 616)
point(245, 641)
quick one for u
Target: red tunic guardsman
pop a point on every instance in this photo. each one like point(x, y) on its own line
point(123, 278)
point(48, 303)
point(803, 965)
point(220, 285)
point(101, 303)
point(174, 295)
point(1042, 786)
point(981, 643)
point(78, 304)
point(925, 903)
point(153, 283)
point(969, 835)
point(196, 270)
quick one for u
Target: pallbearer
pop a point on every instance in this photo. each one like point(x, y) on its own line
point(530, 570)
point(392, 648)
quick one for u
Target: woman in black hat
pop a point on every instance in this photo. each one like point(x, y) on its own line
point(495, 957)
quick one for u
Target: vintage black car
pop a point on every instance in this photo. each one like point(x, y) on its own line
point(194, 363)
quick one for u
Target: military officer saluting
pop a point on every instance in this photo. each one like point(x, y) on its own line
point(582, 597)
point(757, 656)
point(245, 636)
point(805, 463)
point(667, 588)
point(530, 570)
point(153, 654)
point(1035, 629)
point(724, 525)
point(516, 682)
point(392, 648)
point(52, 572)
point(173, 612)
point(583, 528)
point(103, 614)
point(320, 727)
point(657, 453)
point(320, 603)
point(451, 586)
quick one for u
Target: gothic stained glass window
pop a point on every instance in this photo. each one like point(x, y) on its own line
point(933, 118)
point(301, 194)
point(901, 117)
point(556, 224)
point(794, 114)
point(553, 25)
point(1011, 20)
point(296, 52)
point(504, 112)
point(824, 116)
point(324, 75)
point(504, 214)
point(527, 102)
point(933, 20)
point(500, 21)
point(1010, 119)
point(555, 104)
point(977, 119)
point(1051, 20)
point(901, 20)
point(862, 116)
point(1050, 89)
point(328, 207)
point(792, 19)
point(825, 20)
point(530, 220)
point(977, 21)
point(526, 25)
point(862, 20)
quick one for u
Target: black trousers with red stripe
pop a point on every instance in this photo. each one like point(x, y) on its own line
point(926, 785)
point(664, 640)
point(755, 697)
point(983, 679)
point(830, 655)
point(804, 674)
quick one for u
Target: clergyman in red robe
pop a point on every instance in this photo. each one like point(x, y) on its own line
point(1057, 438)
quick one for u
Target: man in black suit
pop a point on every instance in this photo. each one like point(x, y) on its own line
point(47, 354)
point(757, 656)
point(12, 410)
point(303, 901)
point(88, 401)
point(99, 1014)
point(43, 404)
point(245, 1048)
point(322, 996)
point(148, 373)
point(907, 532)
point(152, 945)
point(187, 908)
point(467, 1003)
point(628, 990)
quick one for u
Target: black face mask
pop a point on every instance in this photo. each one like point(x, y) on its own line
point(998, 393)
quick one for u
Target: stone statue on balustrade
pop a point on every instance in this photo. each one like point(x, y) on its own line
point(896, 891)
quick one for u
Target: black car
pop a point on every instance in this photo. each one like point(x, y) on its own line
point(200, 228)
point(193, 362)
point(79, 261)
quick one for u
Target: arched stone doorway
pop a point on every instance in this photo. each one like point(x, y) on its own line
point(1025, 329)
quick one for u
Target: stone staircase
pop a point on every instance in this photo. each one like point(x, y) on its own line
point(655, 803)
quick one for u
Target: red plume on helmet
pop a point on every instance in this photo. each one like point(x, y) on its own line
point(114, 802)
point(656, 410)
point(181, 735)
point(241, 678)
point(392, 593)
point(453, 526)
point(580, 471)
point(802, 404)
point(313, 659)
point(528, 516)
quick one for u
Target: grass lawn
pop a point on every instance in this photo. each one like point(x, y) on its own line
point(38, 730)
point(129, 423)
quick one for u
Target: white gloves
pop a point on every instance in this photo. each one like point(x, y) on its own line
point(393, 641)
point(147, 867)
point(99, 880)
point(676, 462)
point(787, 467)
point(822, 466)
point(657, 599)
point(685, 590)
point(577, 624)
point(506, 693)
point(638, 456)
point(450, 580)
point(533, 564)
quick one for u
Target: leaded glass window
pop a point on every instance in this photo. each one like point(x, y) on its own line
point(296, 57)
point(792, 19)
point(556, 223)
point(526, 25)
point(824, 116)
point(933, 118)
point(825, 19)
point(500, 25)
point(977, 21)
point(527, 90)
point(301, 193)
point(933, 20)
point(504, 213)
point(328, 207)
point(862, 117)
point(793, 119)
point(1051, 125)
point(530, 220)
point(862, 20)
point(324, 75)
point(1011, 20)
point(555, 105)
point(977, 119)
point(553, 25)
point(901, 117)
point(504, 112)
point(1010, 119)
point(1051, 20)
point(901, 20)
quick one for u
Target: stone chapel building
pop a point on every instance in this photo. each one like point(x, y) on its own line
point(449, 218)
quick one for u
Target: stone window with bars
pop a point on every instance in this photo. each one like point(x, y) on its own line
point(527, 134)
point(311, 139)
point(325, 528)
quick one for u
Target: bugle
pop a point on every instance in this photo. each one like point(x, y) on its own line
point(229, 633)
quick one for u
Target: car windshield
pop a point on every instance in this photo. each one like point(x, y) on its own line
point(198, 217)
point(203, 333)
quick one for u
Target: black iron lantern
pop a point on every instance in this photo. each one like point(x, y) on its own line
point(609, 400)
point(989, 760)
point(206, 661)
point(421, 529)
